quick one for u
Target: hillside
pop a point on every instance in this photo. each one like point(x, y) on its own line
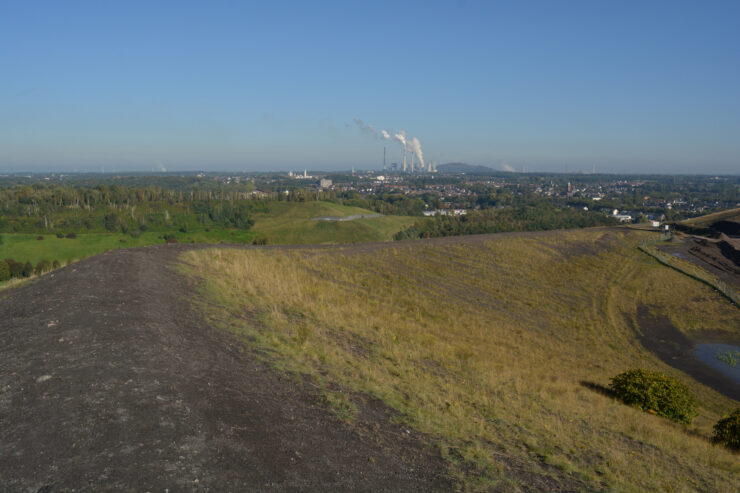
point(475, 363)
point(707, 220)
point(496, 347)
point(296, 223)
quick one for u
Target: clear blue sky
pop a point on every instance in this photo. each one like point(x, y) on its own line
point(643, 86)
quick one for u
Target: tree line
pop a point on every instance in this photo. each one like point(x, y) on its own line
point(538, 217)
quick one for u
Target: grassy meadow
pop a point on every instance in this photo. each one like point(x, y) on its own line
point(27, 247)
point(292, 223)
point(490, 346)
point(282, 223)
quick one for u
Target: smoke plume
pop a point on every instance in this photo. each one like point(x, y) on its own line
point(506, 167)
point(366, 129)
point(414, 146)
point(407, 144)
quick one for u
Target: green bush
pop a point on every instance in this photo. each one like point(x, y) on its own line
point(16, 268)
point(27, 269)
point(654, 392)
point(727, 430)
point(4, 271)
point(42, 267)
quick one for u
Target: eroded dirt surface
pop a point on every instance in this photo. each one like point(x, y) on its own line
point(709, 256)
point(109, 382)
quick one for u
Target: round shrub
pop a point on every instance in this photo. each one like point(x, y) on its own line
point(727, 430)
point(42, 267)
point(654, 392)
point(4, 271)
point(16, 268)
point(71, 236)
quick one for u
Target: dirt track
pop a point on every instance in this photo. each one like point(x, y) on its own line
point(108, 381)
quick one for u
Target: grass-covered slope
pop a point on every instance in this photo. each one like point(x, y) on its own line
point(293, 223)
point(491, 346)
point(704, 221)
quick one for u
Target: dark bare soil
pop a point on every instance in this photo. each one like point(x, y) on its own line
point(718, 253)
point(109, 382)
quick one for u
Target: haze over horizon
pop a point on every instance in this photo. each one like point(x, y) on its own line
point(626, 87)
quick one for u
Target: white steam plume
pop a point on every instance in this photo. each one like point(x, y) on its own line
point(366, 129)
point(415, 146)
point(507, 167)
point(407, 144)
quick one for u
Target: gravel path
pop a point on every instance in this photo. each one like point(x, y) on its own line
point(109, 382)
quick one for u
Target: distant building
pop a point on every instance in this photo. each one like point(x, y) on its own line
point(325, 183)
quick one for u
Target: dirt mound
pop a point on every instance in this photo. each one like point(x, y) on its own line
point(108, 382)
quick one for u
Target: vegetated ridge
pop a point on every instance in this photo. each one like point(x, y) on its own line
point(494, 349)
point(497, 347)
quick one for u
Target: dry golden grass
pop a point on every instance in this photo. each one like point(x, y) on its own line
point(484, 346)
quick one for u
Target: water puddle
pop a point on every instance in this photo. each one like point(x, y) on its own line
point(345, 218)
point(722, 357)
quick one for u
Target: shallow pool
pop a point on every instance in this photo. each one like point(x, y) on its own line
point(722, 357)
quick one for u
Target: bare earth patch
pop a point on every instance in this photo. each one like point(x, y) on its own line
point(109, 382)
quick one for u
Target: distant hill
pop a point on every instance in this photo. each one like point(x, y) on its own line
point(469, 169)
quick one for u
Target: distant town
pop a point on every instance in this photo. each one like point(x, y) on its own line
point(450, 189)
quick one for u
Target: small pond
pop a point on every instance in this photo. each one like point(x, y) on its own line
point(722, 357)
point(345, 218)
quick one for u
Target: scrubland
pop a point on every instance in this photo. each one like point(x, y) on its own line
point(494, 347)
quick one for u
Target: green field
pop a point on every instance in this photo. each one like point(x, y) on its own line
point(491, 347)
point(27, 247)
point(291, 223)
point(285, 223)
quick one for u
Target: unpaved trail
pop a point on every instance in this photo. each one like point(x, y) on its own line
point(109, 382)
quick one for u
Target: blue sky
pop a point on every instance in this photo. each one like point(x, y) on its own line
point(552, 85)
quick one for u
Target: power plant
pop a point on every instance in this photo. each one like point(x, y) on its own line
point(407, 144)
